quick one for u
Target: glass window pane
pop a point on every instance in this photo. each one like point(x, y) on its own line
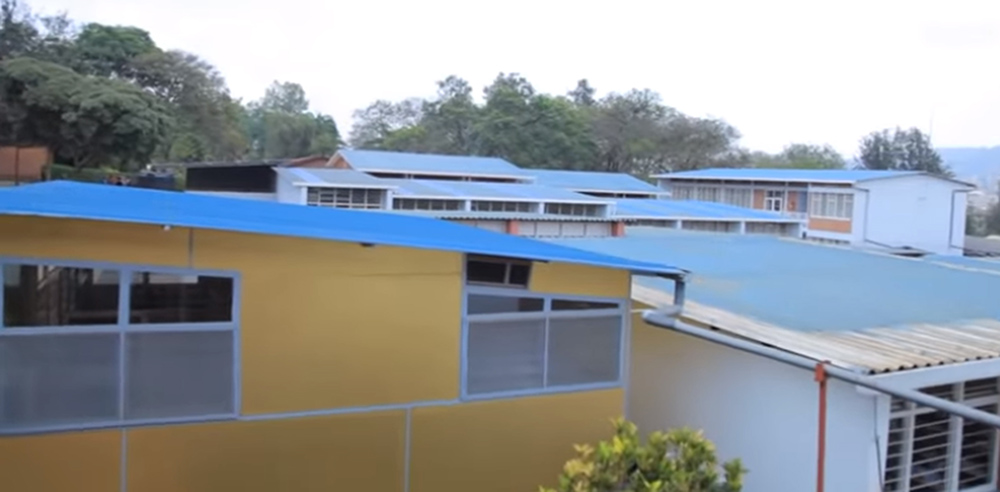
point(54, 380)
point(571, 305)
point(484, 304)
point(493, 272)
point(519, 274)
point(170, 298)
point(505, 356)
point(978, 450)
point(584, 351)
point(179, 374)
point(57, 296)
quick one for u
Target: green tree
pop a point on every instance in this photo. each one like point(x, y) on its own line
point(87, 121)
point(991, 220)
point(904, 150)
point(111, 51)
point(375, 124)
point(280, 125)
point(583, 94)
point(801, 156)
point(18, 35)
point(679, 460)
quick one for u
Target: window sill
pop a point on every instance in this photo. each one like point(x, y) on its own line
point(116, 424)
point(552, 390)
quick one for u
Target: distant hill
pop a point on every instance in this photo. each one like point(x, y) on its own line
point(978, 163)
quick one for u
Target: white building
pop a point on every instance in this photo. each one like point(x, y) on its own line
point(907, 324)
point(882, 209)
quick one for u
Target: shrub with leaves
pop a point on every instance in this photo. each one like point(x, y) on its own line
point(681, 460)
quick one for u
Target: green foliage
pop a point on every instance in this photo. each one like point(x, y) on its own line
point(991, 220)
point(281, 126)
point(680, 460)
point(801, 156)
point(904, 150)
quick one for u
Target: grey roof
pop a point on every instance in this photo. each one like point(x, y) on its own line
point(480, 190)
point(405, 162)
point(593, 181)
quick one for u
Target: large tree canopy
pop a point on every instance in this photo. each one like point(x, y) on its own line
point(101, 95)
point(905, 150)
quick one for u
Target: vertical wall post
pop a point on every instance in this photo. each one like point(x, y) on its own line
point(821, 437)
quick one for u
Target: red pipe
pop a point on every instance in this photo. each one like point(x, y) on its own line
point(821, 439)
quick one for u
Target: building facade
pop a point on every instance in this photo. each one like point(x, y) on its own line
point(168, 342)
point(880, 209)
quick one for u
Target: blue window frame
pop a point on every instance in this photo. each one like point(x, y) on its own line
point(91, 345)
point(517, 342)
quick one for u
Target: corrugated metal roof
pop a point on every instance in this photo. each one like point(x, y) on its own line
point(480, 190)
point(62, 199)
point(330, 177)
point(404, 162)
point(875, 311)
point(804, 175)
point(680, 209)
point(592, 181)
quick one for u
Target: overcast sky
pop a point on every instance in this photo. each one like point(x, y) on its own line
point(780, 71)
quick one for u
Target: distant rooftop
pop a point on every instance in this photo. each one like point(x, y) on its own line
point(404, 162)
point(593, 181)
point(800, 175)
point(653, 209)
point(320, 177)
point(479, 190)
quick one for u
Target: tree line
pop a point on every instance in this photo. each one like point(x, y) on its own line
point(100, 95)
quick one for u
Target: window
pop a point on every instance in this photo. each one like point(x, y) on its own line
point(486, 270)
point(577, 209)
point(681, 192)
point(831, 205)
point(932, 451)
point(425, 204)
point(707, 193)
point(497, 206)
point(357, 198)
point(85, 346)
point(522, 342)
point(774, 200)
point(740, 197)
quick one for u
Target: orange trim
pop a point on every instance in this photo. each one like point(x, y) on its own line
point(618, 229)
point(821, 438)
point(512, 227)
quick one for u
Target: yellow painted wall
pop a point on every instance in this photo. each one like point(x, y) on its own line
point(359, 452)
point(580, 280)
point(76, 462)
point(505, 445)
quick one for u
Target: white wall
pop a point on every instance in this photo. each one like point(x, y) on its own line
point(289, 193)
point(918, 211)
point(267, 197)
point(761, 411)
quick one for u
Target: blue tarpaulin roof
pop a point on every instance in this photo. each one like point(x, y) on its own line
point(405, 162)
point(592, 181)
point(809, 287)
point(63, 199)
point(804, 175)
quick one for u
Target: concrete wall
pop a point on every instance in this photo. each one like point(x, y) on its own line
point(349, 376)
point(760, 411)
point(286, 192)
point(918, 211)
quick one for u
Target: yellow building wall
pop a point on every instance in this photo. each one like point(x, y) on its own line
point(506, 445)
point(77, 462)
point(324, 325)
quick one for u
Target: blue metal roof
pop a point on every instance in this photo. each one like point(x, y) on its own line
point(592, 181)
point(480, 190)
point(987, 264)
point(329, 176)
point(372, 160)
point(672, 209)
point(803, 175)
point(63, 199)
point(808, 287)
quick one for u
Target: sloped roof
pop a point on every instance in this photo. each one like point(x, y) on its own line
point(63, 199)
point(320, 177)
point(592, 181)
point(405, 162)
point(859, 309)
point(655, 209)
point(481, 190)
point(847, 176)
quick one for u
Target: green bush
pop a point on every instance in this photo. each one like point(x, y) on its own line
point(680, 460)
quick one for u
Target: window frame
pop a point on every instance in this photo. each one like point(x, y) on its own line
point(956, 427)
point(508, 263)
point(774, 198)
point(546, 314)
point(123, 328)
point(831, 205)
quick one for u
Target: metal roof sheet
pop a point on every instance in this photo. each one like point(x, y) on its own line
point(405, 162)
point(480, 190)
point(63, 199)
point(593, 181)
point(680, 209)
point(329, 177)
point(522, 216)
point(869, 310)
point(803, 175)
